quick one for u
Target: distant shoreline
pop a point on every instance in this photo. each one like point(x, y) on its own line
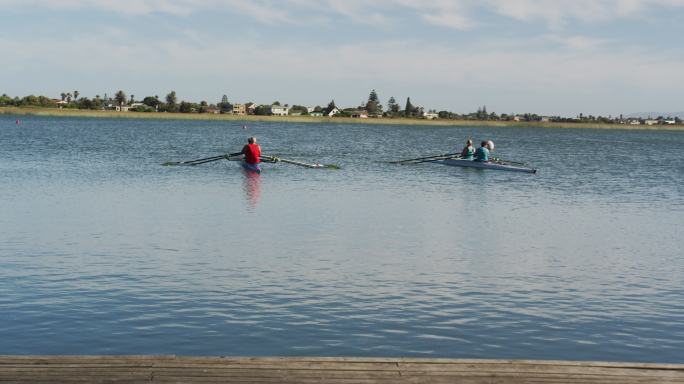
point(325, 120)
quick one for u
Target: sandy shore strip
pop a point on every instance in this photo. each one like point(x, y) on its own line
point(55, 112)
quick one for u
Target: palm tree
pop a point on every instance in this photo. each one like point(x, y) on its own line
point(76, 95)
point(120, 97)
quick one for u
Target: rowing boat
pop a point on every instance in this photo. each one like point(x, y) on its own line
point(500, 165)
point(251, 167)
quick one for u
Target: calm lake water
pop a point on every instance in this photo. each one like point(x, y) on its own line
point(105, 251)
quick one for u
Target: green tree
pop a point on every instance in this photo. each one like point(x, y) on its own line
point(132, 99)
point(171, 102)
point(262, 110)
point(409, 110)
point(185, 107)
point(299, 110)
point(63, 96)
point(5, 100)
point(120, 97)
point(373, 105)
point(76, 93)
point(392, 105)
point(225, 106)
point(29, 100)
point(151, 101)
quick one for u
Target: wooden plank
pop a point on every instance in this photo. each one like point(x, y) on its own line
point(171, 369)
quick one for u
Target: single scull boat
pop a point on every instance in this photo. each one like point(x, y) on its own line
point(251, 167)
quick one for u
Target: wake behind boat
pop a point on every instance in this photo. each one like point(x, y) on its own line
point(500, 165)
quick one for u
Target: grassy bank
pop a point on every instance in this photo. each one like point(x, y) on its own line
point(320, 120)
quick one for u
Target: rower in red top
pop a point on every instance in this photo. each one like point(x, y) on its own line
point(252, 153)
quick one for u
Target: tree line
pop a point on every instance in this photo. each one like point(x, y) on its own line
point(372, 107)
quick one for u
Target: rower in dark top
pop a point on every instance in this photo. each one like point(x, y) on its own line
point(482, 153)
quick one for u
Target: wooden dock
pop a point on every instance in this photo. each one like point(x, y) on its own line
point(170, 369)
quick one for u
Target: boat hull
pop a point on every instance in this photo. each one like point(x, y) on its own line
point(251, 167)
point(482, 165)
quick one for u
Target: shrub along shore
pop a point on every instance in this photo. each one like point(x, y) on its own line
point(33, 111)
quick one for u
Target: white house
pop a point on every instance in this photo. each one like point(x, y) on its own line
point(280, 110)
point(651, 122)
point(430, 115)
point(333, 112)
point(670, 121)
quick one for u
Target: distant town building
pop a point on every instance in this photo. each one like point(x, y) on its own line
point(651, 122)
point(333, 112)
point(279, 110)
point(359, 114)
point(430, 115)
point(316, 113)
point(250, 108)
point(239, 109)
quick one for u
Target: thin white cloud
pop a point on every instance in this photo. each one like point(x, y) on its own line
point(412, 61)
point(559, 13)
point(454, 14)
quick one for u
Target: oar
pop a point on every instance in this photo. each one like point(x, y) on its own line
point(507, 161)
point(201, 161)
point(424, 158)
point(437, 159)
point(301, 164)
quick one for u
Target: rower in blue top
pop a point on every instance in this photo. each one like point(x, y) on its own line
point(468, 151)
point(482, 153)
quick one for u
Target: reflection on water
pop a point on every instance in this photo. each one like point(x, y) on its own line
point(104, 251)
point(251, 184)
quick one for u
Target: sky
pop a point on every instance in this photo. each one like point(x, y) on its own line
point(550, 57)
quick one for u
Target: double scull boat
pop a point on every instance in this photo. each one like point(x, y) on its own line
point(500, 165)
